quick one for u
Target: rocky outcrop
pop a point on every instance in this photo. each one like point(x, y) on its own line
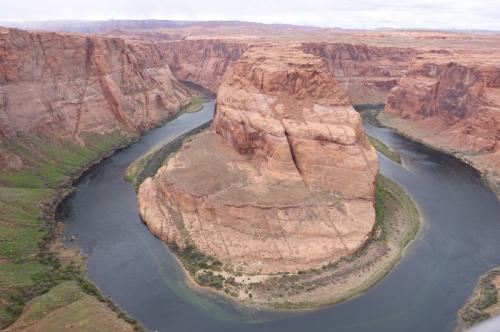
point(203, 62)
point(70, 85)
point(452, 103)
point(283, 182)
point(366, 72)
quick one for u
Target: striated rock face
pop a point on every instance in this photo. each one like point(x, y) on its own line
point(201, 61)
point(452, 103)
point(283, 182)
point(367, 73)
point(70, 85)
point(282, 107)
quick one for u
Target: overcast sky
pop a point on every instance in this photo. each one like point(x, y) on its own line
point(442, 14)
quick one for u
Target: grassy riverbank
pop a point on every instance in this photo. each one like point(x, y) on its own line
point(369, 114)
point(32, 259)
point(484, 302)
point(385, 150)
point(147, 165)
point(67, 307)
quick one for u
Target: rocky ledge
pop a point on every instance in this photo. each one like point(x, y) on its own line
point(283, 182)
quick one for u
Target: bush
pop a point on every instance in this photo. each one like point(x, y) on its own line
point(208, 278)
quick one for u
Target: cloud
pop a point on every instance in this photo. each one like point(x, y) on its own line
point(443, 14)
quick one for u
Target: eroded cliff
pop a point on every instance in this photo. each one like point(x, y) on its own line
point(366, 72)
point(203, 62)
point(452, 102)
point(71, 87)
point(283, 182)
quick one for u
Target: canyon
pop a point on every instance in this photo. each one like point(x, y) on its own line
point(284, 181)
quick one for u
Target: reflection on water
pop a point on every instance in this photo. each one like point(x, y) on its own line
point(459, 241)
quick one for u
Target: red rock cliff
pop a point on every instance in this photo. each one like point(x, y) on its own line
point(201, 61)
point(452, 102)
point(69, 85)
point(366, 72)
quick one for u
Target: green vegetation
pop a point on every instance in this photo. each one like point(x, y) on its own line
point(385, 150)
point(195, 105)
point(387, 194)
point(369, 107)
point(147, 165)
point(49, 161)
point(209, 279)
point(369, 113)
point(58, 297)
point(194, 260)
point(485, 297)
point(204, 269)
point(67, 305)
point(28, 198)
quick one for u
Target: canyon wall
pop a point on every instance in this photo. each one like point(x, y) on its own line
point(283, 182)
point(452, 102)
point(203, 62)
point(70, 86)
point(366, 72)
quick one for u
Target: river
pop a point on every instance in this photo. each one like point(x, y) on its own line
point(458, 241)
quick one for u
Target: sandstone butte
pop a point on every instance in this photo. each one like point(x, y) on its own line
point(283, 181)
point(451, 101)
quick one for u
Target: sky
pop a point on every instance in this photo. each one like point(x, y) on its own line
point(361, 14)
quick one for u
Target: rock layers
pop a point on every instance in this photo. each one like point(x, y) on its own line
point(366, 72)
point(203, 62)
point(452, 102)
point(70, 86)
point(283, 182)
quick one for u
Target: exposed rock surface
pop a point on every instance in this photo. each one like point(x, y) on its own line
point(285, 180)
point(452, 103)
point(366, 72)
point(201, 61)
point(70, 85)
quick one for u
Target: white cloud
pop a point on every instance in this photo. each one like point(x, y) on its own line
point(443, 14)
